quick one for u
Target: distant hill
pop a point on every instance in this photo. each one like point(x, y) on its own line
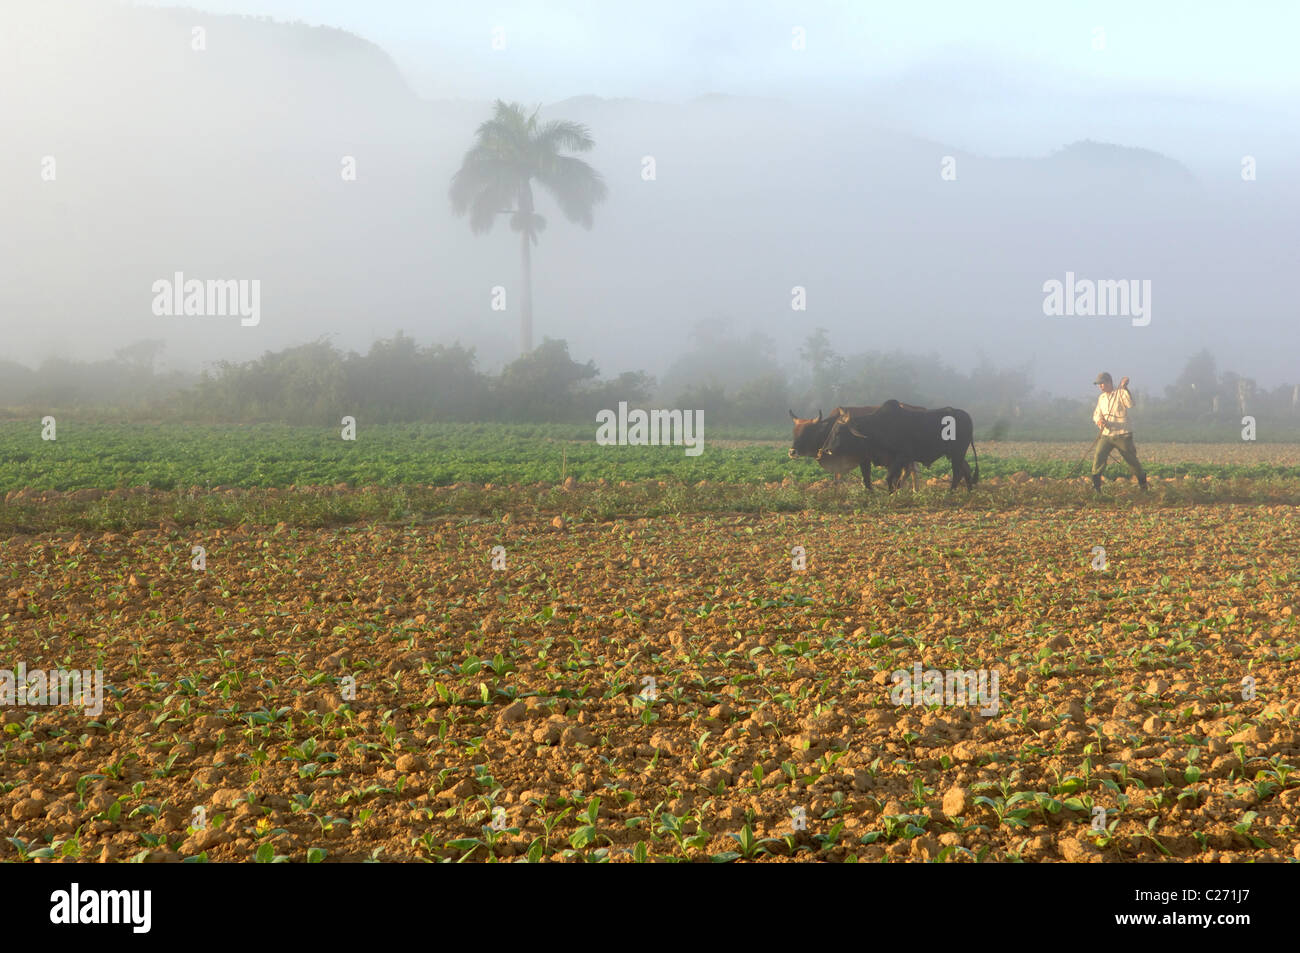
point(228, 162)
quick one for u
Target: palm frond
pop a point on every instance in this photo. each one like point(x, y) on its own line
point(530, 222)
point(486, 205)
point(563, 134)
point(574, 185)
point(479, 171)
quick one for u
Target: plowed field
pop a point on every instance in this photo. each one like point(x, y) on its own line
point(674, 688)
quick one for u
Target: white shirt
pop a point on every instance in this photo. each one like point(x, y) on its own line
point(1112, 410)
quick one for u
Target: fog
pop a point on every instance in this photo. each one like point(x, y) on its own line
point(922, 206)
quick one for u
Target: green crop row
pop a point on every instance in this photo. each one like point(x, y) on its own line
point(176, 456)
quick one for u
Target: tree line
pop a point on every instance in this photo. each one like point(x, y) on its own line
point(734, 378)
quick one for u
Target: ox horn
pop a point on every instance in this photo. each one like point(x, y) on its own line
point(792, 416)
point(819, 415)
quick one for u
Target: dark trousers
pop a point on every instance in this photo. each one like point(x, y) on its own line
point(1123, 442)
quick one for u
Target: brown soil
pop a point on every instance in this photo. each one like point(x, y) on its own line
point(227, 688)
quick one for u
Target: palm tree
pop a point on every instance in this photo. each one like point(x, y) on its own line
point(495, 178)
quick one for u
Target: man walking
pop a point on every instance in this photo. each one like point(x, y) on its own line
point(1111, 418)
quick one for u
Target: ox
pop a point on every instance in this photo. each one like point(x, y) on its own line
point(812, 433)
point(907, 436)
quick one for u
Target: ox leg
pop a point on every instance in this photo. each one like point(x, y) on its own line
point(895, 476)
point(866, 474)
point(956, 472)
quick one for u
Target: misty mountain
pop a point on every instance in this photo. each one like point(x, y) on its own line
point(230, 162)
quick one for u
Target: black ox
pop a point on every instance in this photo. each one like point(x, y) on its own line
point(811, 435)
point(906, 436)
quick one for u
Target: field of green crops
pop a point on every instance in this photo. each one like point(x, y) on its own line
point(496, 711)
point(177, 456)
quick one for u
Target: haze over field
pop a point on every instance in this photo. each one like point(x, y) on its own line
point(481, 432)
point(774, 168)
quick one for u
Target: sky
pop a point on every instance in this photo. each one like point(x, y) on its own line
point(999, 78)
point(677, 49)
point(778, 166)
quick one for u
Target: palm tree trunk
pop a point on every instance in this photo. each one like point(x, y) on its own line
point(526, 319)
